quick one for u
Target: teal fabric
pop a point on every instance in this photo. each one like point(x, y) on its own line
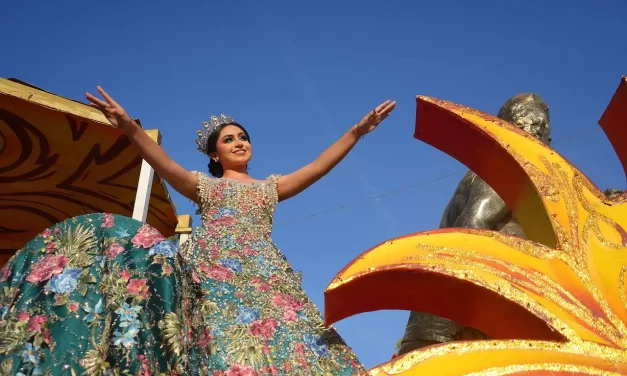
point(103, 294)
point(87, 296)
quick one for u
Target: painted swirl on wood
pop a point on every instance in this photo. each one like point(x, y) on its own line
point(60, 159)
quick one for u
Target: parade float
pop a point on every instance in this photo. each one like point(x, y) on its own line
point(553, 304)
point(60, 158)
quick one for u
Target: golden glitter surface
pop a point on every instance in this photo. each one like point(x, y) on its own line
point(507, 358)
point(552, 304)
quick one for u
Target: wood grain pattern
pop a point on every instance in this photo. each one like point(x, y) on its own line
point(59, 159)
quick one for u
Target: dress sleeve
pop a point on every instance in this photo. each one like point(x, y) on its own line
point(273, 181)
point(202, 188)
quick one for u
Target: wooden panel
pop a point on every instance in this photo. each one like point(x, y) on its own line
point(59, 159)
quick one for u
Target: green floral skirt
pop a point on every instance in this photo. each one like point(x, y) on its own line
point(96, 295)
point(103, 294)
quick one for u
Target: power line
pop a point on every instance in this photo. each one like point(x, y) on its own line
point(370, 198)
point(415, 185)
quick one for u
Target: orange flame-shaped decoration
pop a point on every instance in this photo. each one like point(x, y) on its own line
point(554, 304)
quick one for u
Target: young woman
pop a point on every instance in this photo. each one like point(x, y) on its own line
point(103, 294)
point(247, 312)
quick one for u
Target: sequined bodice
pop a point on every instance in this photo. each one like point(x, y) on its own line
point(245, 208)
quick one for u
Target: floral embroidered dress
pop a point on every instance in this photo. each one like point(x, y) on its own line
point(102, 294)
point(95, 295)
point(248, 313)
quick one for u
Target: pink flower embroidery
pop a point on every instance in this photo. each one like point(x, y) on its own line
point(136, 286)
point(286, 302)
point(217, 272)
point(113, 251)
point(145, 365)
point(34, 324)
point(72, 306)
point(51, 247)
point(107, 222)
point(45, 268)
point(250, 252)
point(195, 277)
point(23, 316)
point(213, 233)
point(205, 338)
point(239, 370)
point(146, 237)
point(224, 221)
point(57, 231)
point(5, 273)
point(46, 335)
point(202, 243)
point(125, 275)
point(264, 286)
point(47, 233)
point(264, 328)
point(290, 316)
point(299, 348)
point(167, 269)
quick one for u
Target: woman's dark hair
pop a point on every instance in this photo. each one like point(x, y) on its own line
point(215, 168)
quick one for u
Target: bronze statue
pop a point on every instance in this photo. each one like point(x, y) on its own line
point(476, 205)
point(613, 192)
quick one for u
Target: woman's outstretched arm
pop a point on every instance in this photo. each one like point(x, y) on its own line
point(296, 182)
point(179, 178)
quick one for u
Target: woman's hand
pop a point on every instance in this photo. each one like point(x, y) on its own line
point(374, 118)
point(180, 179)
point(292, 184)
point(116, 115)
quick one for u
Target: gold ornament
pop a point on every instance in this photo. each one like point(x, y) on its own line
point(555, 303)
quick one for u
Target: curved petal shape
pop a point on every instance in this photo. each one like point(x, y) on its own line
point(567, 283)
point(507, 287)
point(555, 203)
point(438, 281)
point(614, 122)
point(540, 186)
point(509, 358)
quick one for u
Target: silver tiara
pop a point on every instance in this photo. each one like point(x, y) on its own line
point(208, 127)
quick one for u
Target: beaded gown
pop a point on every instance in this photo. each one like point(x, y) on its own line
point(103, 294)
point(250, 315)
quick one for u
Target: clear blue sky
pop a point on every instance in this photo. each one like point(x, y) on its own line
point(298, 75)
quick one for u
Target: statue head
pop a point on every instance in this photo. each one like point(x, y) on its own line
point(530, 113)
point(612, 192)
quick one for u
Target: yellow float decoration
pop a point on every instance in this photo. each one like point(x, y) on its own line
point(553, 304)
point(59, 159)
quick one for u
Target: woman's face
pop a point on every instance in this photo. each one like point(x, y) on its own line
point(233, 150)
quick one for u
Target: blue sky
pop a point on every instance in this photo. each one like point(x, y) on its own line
point(298, 75)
